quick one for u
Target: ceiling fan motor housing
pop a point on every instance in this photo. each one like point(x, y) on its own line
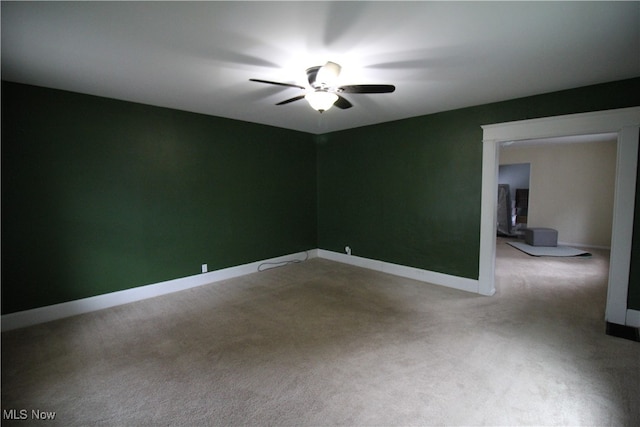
point(312, 74)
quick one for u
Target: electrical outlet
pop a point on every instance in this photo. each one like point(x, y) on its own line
point(204, 268)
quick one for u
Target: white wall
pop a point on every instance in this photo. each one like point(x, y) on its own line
point(571, 188)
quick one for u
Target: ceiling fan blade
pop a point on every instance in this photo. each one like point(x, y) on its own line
point(328, 74)
point(342, 103)
point(324, 76)
point(286, 101)
point(367, 89)
point(277, 83)
point(333, 68)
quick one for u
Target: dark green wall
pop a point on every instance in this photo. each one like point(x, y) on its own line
point(409, 192)
point(100, 195)
point(406, 192)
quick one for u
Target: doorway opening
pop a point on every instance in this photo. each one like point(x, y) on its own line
point(626, 124)
point(572, 181)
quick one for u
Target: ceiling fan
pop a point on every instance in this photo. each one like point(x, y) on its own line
point(324, 93)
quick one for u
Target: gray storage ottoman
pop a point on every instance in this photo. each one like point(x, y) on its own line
point(539, 236)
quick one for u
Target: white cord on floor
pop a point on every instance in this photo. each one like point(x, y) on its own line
point(283, 263)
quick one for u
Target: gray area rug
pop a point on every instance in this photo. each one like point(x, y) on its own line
point(559, 251)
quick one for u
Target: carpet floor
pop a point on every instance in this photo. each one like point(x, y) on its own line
point(323, 343)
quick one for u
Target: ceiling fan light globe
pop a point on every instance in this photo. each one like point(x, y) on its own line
point(321, 100)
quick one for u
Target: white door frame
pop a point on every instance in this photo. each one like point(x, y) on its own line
point(626, 123)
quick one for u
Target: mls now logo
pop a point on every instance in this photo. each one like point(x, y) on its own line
point(15, 414)
point(23, 414)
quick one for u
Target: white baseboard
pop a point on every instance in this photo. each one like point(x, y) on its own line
point(633, 318)
point(48, 313)
point(461, 283)
point(71, 308)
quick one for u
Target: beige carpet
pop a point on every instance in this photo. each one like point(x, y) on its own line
point(321, 343)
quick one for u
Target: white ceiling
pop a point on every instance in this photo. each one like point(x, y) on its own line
point(199, 56)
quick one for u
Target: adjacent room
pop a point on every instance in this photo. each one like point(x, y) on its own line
point(286, 213)
point(564, 184)
point(567, 184)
